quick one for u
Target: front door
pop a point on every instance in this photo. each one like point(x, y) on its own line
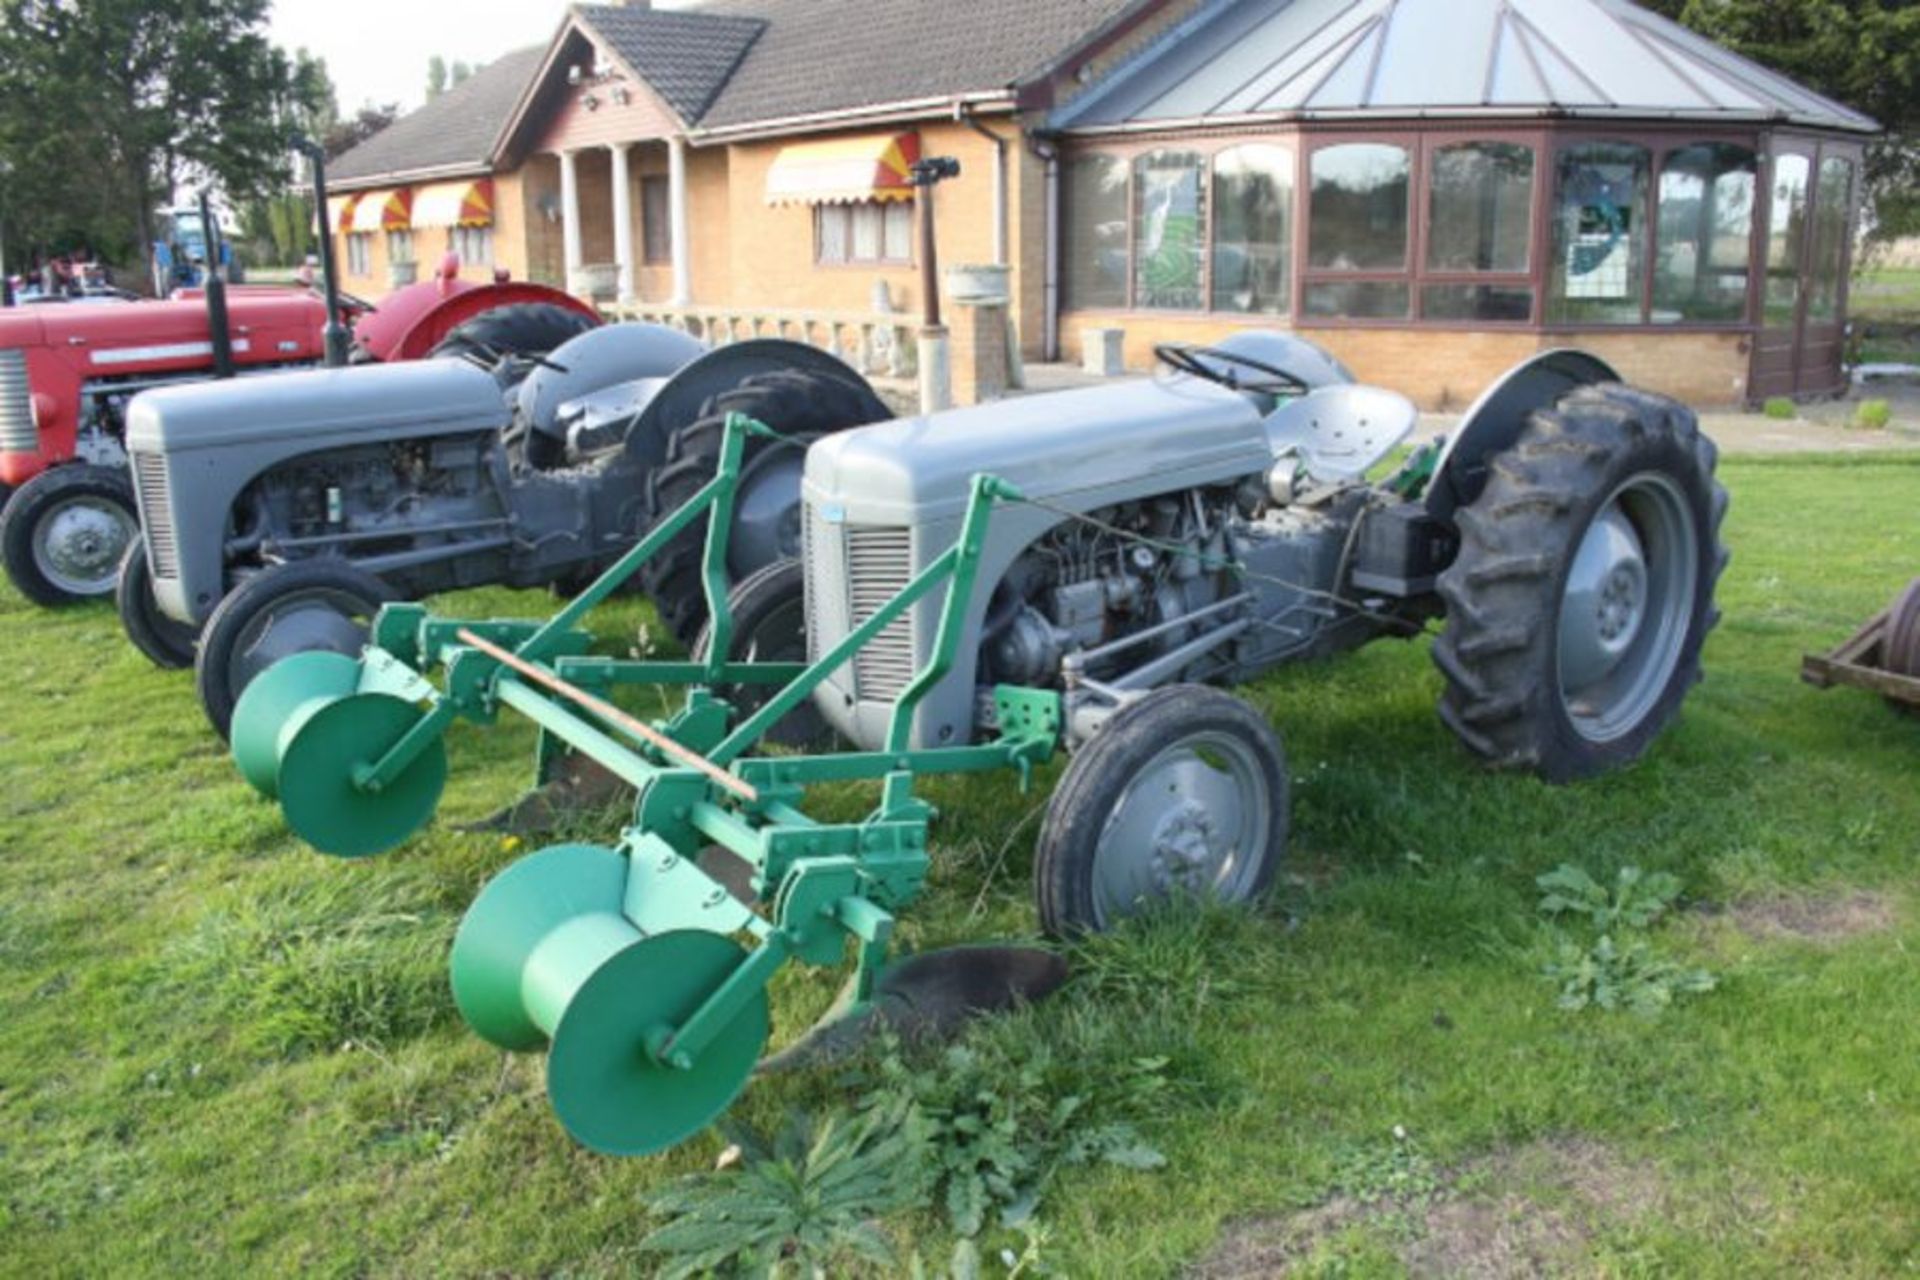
point(1802, 341)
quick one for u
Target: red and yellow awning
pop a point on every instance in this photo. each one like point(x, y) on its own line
point(871, 167)
point(382, 211)
point(340, 211)
point(454, 204)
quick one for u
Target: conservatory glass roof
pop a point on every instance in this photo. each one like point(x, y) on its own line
point(1249, 59)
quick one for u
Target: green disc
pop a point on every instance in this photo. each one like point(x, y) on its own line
point(520, 908)
point(271, 701)
point(317, 766)
point(608, 1090)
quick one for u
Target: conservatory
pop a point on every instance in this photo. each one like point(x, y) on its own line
point(1435, 188)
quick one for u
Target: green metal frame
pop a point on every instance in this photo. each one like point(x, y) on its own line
point(825, 882)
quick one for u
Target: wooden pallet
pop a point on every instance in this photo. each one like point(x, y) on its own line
point(1859, 663)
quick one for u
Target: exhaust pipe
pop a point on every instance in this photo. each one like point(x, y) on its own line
point(218, 325)
point(334, 336)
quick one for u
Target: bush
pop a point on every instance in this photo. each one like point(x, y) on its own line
point(1781, 409)
point(1873, 415)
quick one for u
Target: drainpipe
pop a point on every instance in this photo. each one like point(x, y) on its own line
point(963, 116)
point(1050, 310)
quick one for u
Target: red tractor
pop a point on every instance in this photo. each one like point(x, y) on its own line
point(67, 373)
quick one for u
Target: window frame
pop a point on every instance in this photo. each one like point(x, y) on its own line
point(1661, 144)
point(648, 232)
point(1661, 139)
point(848, 260)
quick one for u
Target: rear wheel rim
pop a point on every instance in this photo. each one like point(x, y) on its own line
point(1195, 820)
point(79, 544)
point(319, 619)
point(1627, 608)
point(766, 513)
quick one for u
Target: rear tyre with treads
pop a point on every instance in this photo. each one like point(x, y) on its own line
point(803, 407)
point(523, 329)
point(1584, 586)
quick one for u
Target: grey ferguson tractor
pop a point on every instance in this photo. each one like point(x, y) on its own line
point(280, 512)
point(981, 590)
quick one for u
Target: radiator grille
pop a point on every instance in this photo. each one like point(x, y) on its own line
point(156, 513)
point(17, 432)
point(879, 566)
point(813, 545)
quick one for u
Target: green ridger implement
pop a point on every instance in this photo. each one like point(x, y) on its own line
point(642, 974)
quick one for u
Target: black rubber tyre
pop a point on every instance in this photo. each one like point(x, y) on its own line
point(523, 329)
point(1501, 650)
point(1901, 649)
point(168, 643)
point(218, 669)
point(42, 498)
point(769, 625)
point(1123, 760)
point(801, 406)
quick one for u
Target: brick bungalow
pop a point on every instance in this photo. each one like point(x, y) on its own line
point(1430, 188)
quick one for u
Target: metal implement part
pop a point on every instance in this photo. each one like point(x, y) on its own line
point(642, 974)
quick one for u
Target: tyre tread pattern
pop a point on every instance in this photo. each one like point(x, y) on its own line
point(801, 406)
point(1502, 591)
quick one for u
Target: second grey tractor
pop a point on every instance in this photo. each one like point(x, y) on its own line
point(280, 512)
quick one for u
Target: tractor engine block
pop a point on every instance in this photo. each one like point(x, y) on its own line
point(365, 495)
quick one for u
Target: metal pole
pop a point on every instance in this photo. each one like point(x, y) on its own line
point(218, 328)
point(334, 336)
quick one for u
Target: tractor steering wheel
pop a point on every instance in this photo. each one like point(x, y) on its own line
point(1190, 359)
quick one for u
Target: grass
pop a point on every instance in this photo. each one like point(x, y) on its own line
point(223, 1054)
point(1885, 305)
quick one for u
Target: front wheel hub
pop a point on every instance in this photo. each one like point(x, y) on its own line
point(1627, 607)
point(80, 545)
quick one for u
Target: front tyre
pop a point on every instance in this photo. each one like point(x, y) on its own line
point(1584, 587)
point(304, 606)
point(167, 642)
point(1184, 792)
point(65, 532)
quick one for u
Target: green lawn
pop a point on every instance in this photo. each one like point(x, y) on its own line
point(1885, 304)
point(224, 1054)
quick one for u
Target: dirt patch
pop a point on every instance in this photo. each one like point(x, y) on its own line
point(1521, 1211)
point(1830, 919)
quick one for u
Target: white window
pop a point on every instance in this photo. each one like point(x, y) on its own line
point(473, 244)
point(399, 246)
point(869, 232)
point(360, 253)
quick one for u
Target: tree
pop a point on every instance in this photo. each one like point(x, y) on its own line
point(1865, 53)
point(108, 106)
point(356, 129)
point(436, 77)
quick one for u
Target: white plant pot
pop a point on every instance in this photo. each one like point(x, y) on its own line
point(980, 285)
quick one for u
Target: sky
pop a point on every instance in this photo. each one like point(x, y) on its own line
point(377, 50)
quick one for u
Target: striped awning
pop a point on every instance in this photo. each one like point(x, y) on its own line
point(871, 167)
point(340, 211)
point(454, 204)
point(383, 211)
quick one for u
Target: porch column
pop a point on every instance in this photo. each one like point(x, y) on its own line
point(677, 200)
point(622, 220)
point(570, 216)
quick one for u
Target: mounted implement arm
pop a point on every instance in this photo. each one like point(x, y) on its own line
point(645, 977)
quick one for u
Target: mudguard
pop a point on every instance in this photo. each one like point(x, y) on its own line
point(594, 361)
point(1497, 418)
point(682, 400)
